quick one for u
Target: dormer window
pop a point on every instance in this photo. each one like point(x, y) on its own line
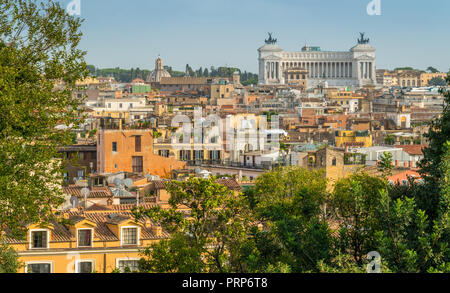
point(130, 235)
point(84, 237)
point(39, 239)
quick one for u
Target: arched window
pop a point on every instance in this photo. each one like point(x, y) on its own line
point(333, 162)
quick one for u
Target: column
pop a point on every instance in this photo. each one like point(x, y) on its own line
point(361, 72)
point(338, 73)
point(366, 75)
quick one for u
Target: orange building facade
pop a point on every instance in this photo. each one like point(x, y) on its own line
point(132, 151)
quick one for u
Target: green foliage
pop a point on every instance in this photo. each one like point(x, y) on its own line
point(403, 68)
point(355, 200)
point(119, 74)
point(430, 166)
point(289, 201)
point(9, 259)
point(206, 240)
point(437, 81)
point(432, 69)
point(389, 139)
point(385, 165)
point(38, 50)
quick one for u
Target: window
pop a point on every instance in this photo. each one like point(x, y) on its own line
point(84, 267)
point(39, 239)
point(137, 144)
point(333, 162)
point(38, 268)
point(128, 265)
point(120, 106)
point(84, 237)
point(129, 236)
point(109, 105)
point(80, 173)
point(131, 105)
point(81, 156)
point(114, 146)
point(137, 165)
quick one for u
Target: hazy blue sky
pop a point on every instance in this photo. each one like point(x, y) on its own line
point(131, 33)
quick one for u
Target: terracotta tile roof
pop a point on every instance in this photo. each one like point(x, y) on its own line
point(230, 183)
point(114, 218)
point(183, 80)
point(96, 192)
point(97, 207)
point(76, 219)
point(414, 150)
point(129, 207)
point(61, 232)
point(159, 184)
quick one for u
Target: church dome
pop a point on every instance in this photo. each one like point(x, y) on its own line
point(159, 72)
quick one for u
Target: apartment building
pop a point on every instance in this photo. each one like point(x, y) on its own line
point(101, 241)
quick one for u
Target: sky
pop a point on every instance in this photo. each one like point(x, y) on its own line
point(132, 33)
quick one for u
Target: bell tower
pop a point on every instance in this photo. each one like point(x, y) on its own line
point(158, 64)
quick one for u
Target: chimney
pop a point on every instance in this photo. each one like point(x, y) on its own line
point(396, 162)
point(157, 230)
point(410, 164)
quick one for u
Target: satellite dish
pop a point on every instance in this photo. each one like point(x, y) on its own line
point(117, 182)
point(128, 183)
point(110, 180)
point(74, 201)
point(85, 192)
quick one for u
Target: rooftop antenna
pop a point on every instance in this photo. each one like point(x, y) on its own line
point(85, 192)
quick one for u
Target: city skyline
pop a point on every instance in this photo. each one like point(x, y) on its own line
point(203, 35)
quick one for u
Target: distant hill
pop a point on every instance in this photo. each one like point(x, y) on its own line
point(127, 75)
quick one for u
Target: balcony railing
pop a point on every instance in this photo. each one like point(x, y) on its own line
point(220, 163)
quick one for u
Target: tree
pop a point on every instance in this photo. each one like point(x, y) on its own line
point(430, 165)
point(355, 200)
point(289, 201)
point(38, 52)
point(437, 81)
point(408, 240)
point(9, 260)
point(385, 165)
point(389, 139)
point(432, 69)
point(205, 240)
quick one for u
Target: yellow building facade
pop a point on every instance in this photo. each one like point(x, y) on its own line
point(87, 242)
point(353, 138)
